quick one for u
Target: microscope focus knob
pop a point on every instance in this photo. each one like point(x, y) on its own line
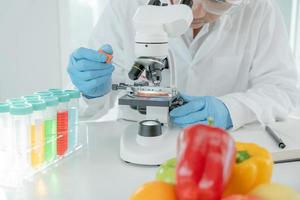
point(114, 87)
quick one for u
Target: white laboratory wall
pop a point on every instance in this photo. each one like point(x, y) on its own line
point(29, 47)
point(78, 18)
point(296, 32)
point(290, 9)
point(286, 7)
point(296, 41)
point(291, 13)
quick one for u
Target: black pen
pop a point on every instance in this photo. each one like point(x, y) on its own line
point(276, 138)
point(287, 161)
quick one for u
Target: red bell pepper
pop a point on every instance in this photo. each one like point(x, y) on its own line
point(205, 158)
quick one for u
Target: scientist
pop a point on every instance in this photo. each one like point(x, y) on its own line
point(234, 64)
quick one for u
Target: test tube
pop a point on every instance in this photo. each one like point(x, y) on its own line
point(62, 123)
point(50, 127)
point(21, 126)
point(37, 132)
point(5, 140)
point(73, 118)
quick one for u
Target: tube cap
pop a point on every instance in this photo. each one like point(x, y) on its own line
point(75, 94)
point(16, 101)
point(63, 98)
point(31, 97)
point(21, 109)
point(4, 107)
point(43, 94)
point(37, 105)
point(55, 91)
point(51, 101)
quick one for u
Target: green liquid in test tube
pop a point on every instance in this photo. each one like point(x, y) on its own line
point(50, 138)
point(50, 125)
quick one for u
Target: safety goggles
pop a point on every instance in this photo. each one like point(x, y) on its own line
point(216, 7)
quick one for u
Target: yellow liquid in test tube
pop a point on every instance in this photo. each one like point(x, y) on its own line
point(37, 145)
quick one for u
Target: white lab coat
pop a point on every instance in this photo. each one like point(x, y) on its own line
point(244, 59)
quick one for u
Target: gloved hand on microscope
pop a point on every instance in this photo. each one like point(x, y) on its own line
point(198, 110)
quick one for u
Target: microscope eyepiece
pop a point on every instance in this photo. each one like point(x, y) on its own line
point(155, 2)
point(136, 71)
point(187, 2)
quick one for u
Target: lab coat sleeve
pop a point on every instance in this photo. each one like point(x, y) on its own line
point(110, 30)
point(272, 92)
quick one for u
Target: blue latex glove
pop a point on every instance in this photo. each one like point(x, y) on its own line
point(197, 110)
point(89, 71)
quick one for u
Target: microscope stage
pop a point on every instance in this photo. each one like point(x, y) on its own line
point(161, 101)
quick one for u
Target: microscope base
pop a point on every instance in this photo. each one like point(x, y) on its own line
point(146, 150)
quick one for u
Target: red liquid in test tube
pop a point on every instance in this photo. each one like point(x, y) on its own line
point(62, 132)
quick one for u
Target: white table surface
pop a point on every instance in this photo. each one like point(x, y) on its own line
point(96, 172)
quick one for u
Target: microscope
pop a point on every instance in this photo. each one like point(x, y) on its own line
point(152, 140)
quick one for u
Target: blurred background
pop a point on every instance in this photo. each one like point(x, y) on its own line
point(37, 37)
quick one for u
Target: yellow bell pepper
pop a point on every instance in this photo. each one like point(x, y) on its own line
point(254, 166)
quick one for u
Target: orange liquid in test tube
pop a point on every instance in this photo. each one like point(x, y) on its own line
point(37, 145)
